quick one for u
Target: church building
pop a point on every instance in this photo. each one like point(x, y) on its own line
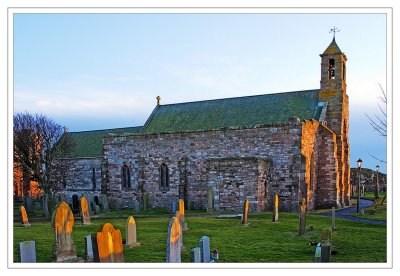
point(293, 144)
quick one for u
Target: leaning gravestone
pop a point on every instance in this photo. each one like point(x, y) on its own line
point(85, 211)
point(28, 202)
point(182, 215)
point(174, 241)
point(104, 203)
point(63, 223)
point(275, 215)
point(27, 251)
point(24, 217)
point(131, 240)
point(195, 255)
point(205, 249)
point(109, 245)
point(245, 212)
point(89, 248)
point(302, 216)
point(210, 200)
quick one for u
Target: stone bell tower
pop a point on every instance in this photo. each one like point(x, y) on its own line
point(333, 94)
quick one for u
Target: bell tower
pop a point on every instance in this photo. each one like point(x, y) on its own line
point(333, 95)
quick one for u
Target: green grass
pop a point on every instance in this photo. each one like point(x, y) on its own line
point(261, 241)
point(380, 213)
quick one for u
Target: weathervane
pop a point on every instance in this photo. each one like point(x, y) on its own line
point(334, 30)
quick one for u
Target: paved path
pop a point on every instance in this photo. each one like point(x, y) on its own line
point(346, 213)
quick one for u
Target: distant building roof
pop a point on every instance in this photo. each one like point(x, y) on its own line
point(233, 112)
point(90, 143)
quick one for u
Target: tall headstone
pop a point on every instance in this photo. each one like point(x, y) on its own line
point(333, 219)
point(182, 215)
point(275, 215)
point(205, 249)
point(174, 241)
point(210, 200)
point(104, 203)
point(63, 223)
point(109, 245)
point(24, 216)
point(195, 255)
point(89, 248)
point(27, 251)
point(245, 212)
point(131, 240)
point(45, 205)
point(29, 207)
point(85, 211)
point(302, 216)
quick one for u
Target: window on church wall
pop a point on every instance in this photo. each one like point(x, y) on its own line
point(331, 69)
point(126, 177)
point(164, 177)
point(93, 170)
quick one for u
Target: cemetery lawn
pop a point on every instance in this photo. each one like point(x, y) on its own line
point(262, 241)
point(380, 213)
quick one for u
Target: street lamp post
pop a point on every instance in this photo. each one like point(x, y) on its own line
point(377, 183)
point(359, 164)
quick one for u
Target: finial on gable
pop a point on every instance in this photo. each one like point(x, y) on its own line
point(158, 100)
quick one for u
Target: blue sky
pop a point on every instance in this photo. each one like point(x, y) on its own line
point(97, 71)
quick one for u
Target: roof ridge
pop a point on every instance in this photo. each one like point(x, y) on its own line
point(96, 130)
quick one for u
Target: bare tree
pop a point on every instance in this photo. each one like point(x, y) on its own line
point(38, 143)
point(379, 121)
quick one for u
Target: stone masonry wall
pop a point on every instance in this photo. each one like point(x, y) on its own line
point(144, 155)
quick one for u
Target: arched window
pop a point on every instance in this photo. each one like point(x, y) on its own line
point(164, 177)
point(126, 177)
point(93, 178)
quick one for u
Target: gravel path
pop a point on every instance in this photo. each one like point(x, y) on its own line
point(346, 213)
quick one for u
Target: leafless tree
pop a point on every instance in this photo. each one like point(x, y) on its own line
point(38, 143)
point(379, 121)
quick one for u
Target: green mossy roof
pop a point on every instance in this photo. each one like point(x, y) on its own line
point(234, 112)
point(90, 143)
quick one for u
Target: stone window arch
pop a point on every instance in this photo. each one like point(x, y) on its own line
point(164, 177)
point(126, 177)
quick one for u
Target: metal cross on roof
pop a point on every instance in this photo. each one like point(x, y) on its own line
point(334, 30)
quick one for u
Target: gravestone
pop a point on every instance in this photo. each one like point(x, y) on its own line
point(173, 207)
point(205, 249)
point(326, 245)
point(85, 217)
point(245, 212)
point(89, 248)
point(75, 204)
point(24, 217)
point(275, 214)
point(174, 241)
point(104, 203)
point(96, 209)
point(195, 255)
point(146, 201)
point(108, 245)
point(302, 216)
point(27, 251)
point(88, 200)
point(318, 253)
point(29, 207)
point(131, 240)
point(333, 219)
point(45, 205)
point(133, 205)
point(182, 215)
point(210, 201)
point(63, 223)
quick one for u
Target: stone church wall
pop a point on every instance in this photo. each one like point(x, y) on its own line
point(144, 154)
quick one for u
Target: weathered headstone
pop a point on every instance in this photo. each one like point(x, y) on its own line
point(89, 248)
point(173, 207)
point(174, 241)
point(63, 223)
point(146, 201)
point(195, 255)
point(109, 245)
point(302, 216)
point(245, 212)
point(28, 202)
point(205, 249)
point(131, 240)
point(88, 200)
point(24, 217)
point(333, 219)
point(27, 251)
point(45, 205)
point(85, 211)
point(182, 215)
point(96, 209)
point(210, 200)
point(326, 245)
point(104, 203)
point(275, 214)
point(133, 205)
